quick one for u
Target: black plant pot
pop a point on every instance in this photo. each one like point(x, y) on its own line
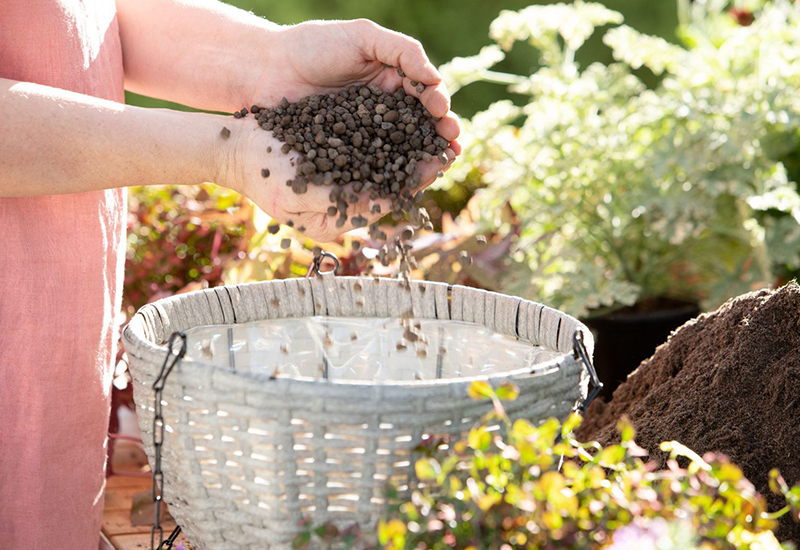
point(625, 338)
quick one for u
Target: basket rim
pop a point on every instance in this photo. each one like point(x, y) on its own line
point(137, 344)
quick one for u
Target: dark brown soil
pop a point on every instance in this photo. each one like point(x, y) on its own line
point(727, 382)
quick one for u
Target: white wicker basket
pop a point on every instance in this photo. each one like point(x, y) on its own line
point(246, 457)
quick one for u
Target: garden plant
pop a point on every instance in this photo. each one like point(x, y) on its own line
point(624, 193)
point(513, 485)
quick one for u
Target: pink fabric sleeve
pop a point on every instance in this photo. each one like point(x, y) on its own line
point(61, 263)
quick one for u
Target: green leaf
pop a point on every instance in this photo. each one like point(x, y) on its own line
point(302, 541)
point(571, 423)
point(625, 428)
point(612, 455)
point(427, 468)
point(480, 389)
point(479, 439)
point(507, 391)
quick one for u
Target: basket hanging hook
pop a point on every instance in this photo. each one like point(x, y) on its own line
point(579, 349)
point(317, 264)
point(173, 357)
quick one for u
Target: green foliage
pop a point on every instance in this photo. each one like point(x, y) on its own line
point(624, 192)
point(531, 487)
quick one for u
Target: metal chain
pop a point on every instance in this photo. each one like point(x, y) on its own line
point(170, 361)
point(316, 264)
point(167, 544)
point(579, 348)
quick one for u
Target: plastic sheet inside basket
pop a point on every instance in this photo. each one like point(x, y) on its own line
point(368, 349)
point(294, 402)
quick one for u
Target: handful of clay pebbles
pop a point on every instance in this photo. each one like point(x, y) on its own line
point(358, 141)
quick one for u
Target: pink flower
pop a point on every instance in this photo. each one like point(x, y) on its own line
point(653, 534)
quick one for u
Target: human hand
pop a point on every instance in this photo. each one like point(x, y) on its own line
point(256, 168)
point(319, 57)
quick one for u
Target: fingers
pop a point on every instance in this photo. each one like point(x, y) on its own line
point(436, 99)
point(449, 127)
point(400, 51)
point(429, 171)
point(397, 50)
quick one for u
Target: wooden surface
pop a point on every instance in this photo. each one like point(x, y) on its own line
point(117, 527)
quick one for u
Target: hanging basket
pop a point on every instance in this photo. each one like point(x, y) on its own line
point(247, 456)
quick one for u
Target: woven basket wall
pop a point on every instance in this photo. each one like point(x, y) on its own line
point(247, 457)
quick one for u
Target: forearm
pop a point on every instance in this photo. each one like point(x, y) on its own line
point(55, 142)
point(200, 53)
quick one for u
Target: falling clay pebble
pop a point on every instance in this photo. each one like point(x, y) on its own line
point(207, 348)
point(273, 229)
point(286, 243)
point(265, 172)
point(225, 133)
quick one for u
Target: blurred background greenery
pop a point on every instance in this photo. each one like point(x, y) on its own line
point(450, 28)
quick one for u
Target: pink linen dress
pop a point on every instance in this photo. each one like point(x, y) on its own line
point(61, 265)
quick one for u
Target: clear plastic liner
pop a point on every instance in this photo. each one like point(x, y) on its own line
point(354, 348)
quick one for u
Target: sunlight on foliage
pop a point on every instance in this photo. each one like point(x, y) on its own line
point(531, 487)
point(624, 192)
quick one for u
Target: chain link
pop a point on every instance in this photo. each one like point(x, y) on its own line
point(579, 349)
point(172, 359)
point(316, 264)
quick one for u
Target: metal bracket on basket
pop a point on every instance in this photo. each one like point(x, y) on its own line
point(172, 359)
point(579, 349)
point(317, 264)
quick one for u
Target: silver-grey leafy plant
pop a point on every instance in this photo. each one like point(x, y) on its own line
point(625, 192)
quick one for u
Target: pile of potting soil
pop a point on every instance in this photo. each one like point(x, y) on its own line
point(727, 382)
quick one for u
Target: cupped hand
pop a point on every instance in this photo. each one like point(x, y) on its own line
point(318, 57)
point(258, 170)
